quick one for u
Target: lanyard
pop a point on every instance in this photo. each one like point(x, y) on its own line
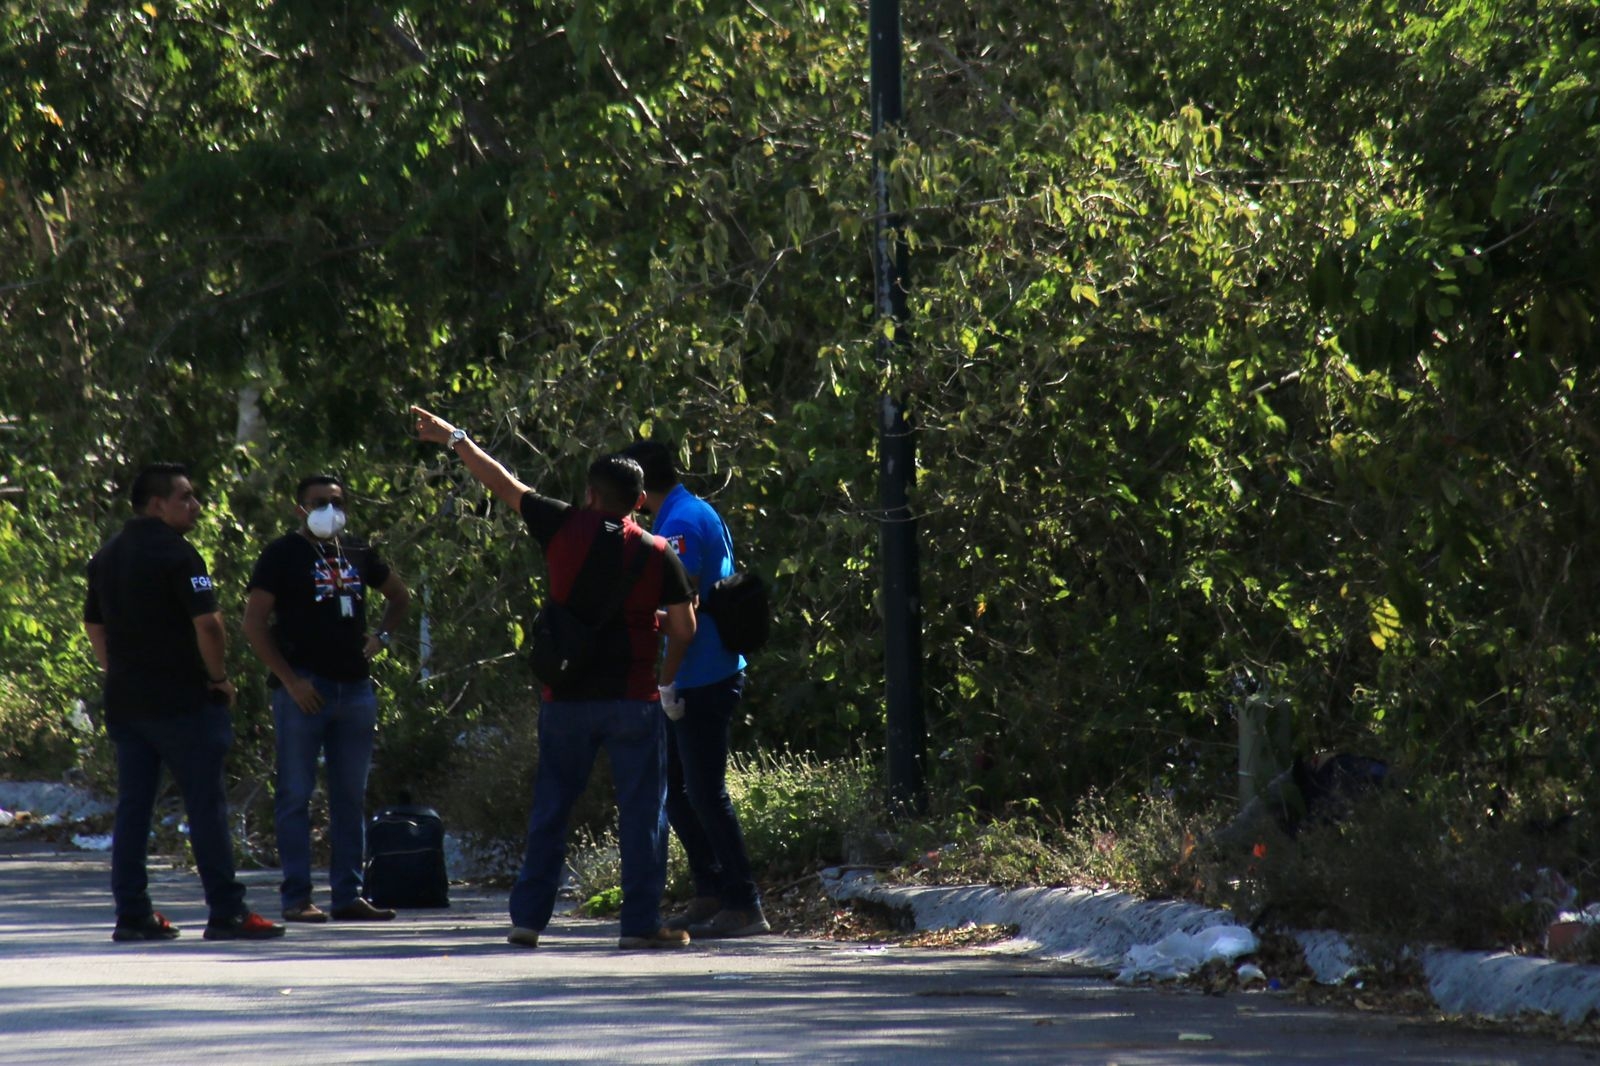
point(334, 565)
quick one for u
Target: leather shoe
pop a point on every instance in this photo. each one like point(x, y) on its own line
point(359, 910)
point(305, 912)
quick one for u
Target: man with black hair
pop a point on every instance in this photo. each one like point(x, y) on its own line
point(151, 616)
point(710, 682)
point(591, 553)
point(306, 619)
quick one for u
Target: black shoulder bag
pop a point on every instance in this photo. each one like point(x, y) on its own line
point(741, 607)
point(563, 647)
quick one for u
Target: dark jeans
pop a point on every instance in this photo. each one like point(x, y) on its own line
point(192, 746)
point(342, 731)
point(698, 805)
point(571, 734)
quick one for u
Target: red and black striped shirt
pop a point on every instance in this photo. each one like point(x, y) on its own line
point(587, 553)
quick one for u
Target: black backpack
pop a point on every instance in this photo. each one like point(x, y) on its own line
point(742, 609)
point(405, 859)
point(562, 646)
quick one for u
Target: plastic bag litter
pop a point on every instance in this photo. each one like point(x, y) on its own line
point(1180, 954)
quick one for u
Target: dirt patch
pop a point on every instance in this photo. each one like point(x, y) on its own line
point(805, 910)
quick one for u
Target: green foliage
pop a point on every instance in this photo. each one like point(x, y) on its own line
point(1247, 341)
point(964, 849)
point(1407, 869)
point(604, 903)
point(1138, 845)
point(800, 812)
point(596, 864)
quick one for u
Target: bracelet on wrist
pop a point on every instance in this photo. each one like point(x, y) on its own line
point(223, 680)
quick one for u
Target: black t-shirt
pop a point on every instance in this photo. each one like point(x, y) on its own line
point(587, 553)
point(147, 585)
point(320, 602)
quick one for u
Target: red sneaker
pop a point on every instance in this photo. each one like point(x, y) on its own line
point(247, 926)
point(153, 927)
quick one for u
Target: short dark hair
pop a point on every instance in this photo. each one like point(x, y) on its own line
point(311, 481)
point(655, 459)
point(617, 482)
point(155, 480)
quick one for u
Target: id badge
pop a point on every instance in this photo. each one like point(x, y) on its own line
point(347, 607)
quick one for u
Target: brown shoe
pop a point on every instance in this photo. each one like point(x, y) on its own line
point(523, 937)
point(661, 938)
point(359, 910)
point(305, 912)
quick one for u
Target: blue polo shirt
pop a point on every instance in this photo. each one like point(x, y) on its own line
point(697, 533)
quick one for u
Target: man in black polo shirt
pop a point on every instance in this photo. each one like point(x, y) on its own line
point(152, 619)
point(589, 550)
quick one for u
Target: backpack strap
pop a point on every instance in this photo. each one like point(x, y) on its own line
point(625, 581)
point(630, 575)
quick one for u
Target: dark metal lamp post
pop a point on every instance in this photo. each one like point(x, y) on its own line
point(897, 448)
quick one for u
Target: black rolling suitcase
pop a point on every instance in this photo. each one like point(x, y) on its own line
point(405, 858)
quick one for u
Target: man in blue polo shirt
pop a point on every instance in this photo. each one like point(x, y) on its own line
point(708, 687)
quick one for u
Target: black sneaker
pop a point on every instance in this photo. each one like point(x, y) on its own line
point(700, 909)
point(730, 923)
point(153, 926)
point(249, 926)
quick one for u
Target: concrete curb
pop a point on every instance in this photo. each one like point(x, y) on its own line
point(1071, 924)
point(1096, 928)
point(1498, 985)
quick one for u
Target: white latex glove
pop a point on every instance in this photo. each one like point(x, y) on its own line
point(671, 702)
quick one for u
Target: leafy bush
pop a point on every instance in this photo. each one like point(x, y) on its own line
point(1138, 844)
point(40, 741)
point(799, 811)
point(1403, 869)
point(964, 849)
point(596, 864)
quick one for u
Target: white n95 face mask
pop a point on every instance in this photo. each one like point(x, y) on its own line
point(326, 521)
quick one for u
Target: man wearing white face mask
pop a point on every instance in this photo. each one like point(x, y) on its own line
point(306, 621)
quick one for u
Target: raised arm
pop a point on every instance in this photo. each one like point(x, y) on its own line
point(480, 464)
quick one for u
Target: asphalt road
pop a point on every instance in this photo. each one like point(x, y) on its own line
point(443, 986)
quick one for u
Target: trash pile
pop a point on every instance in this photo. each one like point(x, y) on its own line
point(1178, 955)
point(32, 805)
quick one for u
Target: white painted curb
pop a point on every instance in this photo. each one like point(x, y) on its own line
point(1096, 928)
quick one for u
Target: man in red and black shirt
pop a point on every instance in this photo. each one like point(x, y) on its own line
point(616, 703)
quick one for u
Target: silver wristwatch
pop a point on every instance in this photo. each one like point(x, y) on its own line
point(456, 437)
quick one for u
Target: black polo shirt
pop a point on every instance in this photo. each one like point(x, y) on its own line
point(319, 593)
point(147, 585)
point(587, 553)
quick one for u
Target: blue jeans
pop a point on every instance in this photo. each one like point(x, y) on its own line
point(571, 734)
point(343, 731)
point(698, 805)
point(192, 746)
